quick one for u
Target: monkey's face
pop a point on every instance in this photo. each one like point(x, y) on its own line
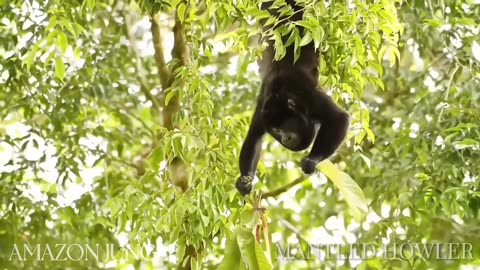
point(289, 127)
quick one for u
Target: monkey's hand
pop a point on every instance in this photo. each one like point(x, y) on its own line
point(308, 164)
point(244, 185)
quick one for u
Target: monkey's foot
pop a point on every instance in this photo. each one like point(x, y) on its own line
point(244, 185)
point(308, 165)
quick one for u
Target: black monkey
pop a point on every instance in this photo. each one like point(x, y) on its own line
point(289, 108)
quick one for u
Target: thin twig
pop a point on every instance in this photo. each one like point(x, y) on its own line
point(292, 228)
point(449, 84)
point(121, 161)
point(299, 180)
point(140, 120)
point(284, 188)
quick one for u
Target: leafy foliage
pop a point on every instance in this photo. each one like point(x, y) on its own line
point(86, 156)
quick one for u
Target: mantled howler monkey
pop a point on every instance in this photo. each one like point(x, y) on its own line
point(289, 108)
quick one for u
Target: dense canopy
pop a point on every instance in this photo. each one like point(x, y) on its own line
point(121, 124)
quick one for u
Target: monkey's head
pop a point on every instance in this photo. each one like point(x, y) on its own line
point(288, 122)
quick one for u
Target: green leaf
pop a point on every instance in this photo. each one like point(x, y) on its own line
point(232, 258)
point(62, 41)
point(181, 11)
point(90, 4)
point(394, 55)
point(270, 21)
point(467, 143)
point(306, 39)
point(59, 68)
point(30, 56)
point(77, 53)
point(350, 190)
point(381, 53)
point(193, 263)
point(366, 160)
point(318, 34)
point(280, 50)
point(252, 254)
point(307, 24)
point(293, 36)
point(370, 134)
point(114, 205)
point(263, 262)
point(155, 158)
point(296, 50)
point(169, 96)
point(433, 22)
point(49, 58)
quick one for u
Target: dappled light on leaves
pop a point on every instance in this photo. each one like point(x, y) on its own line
point(121, 124)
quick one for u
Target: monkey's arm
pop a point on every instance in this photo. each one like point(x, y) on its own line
point(250, 153)
point(334, 126)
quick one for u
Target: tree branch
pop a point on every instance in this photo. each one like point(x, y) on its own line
point(144, 87)
point(180, 49)
point(285, 188)
point(163, 71)
point(295, 182)
point(179, 55)
point(179, 59)
point(177, 168)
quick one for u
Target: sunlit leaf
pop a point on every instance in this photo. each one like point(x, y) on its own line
point(62, 41)
point(181, 11)
point(59, 68)
point(352, 193)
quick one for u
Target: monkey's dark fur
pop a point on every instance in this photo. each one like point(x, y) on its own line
point(289, 107)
